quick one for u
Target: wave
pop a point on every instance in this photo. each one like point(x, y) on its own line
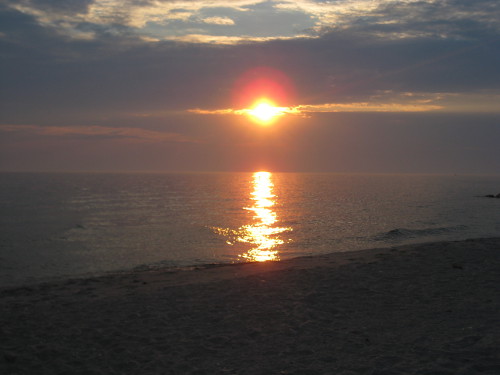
point(404, 233)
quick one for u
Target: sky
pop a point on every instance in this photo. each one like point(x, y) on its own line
point(361, 86)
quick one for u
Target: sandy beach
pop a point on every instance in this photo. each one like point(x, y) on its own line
point(417, 309)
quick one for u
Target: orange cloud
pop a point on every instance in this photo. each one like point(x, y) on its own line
point(368, 107)
point(136, 134)
point(305, 109)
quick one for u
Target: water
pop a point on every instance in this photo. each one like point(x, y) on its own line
point(66, 225)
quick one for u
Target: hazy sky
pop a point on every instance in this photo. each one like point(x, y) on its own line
point(163, 85)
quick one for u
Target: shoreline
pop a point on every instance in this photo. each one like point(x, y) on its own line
point(154, 271)
point(411, 309)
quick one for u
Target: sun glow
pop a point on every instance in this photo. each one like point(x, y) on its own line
point(265, 112)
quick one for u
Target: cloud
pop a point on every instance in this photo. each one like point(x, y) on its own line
point(365, 63)
point(387, 101)
point(389, 19)
point(306, 109)
point(278, 111)
point(164, 20)
point(60, 7)
point(367, 107)
point(134, 134)
point(218, 20)
point(229, 40)
point(180, 20)
point(109, 71)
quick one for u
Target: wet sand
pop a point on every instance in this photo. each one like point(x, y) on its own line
point(418, 309)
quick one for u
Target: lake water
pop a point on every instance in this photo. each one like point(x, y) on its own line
point(65, 225)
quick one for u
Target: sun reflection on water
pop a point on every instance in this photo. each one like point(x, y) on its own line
point(263, 234)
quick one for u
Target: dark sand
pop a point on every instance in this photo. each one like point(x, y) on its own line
point(420, 309)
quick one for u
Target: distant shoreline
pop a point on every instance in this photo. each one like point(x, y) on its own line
point(145, 172)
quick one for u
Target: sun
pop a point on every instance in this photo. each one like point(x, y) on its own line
point(265, 112)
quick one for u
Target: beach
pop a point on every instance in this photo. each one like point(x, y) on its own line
point(427, 308)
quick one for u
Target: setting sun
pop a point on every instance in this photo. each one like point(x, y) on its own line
point(265, 112)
